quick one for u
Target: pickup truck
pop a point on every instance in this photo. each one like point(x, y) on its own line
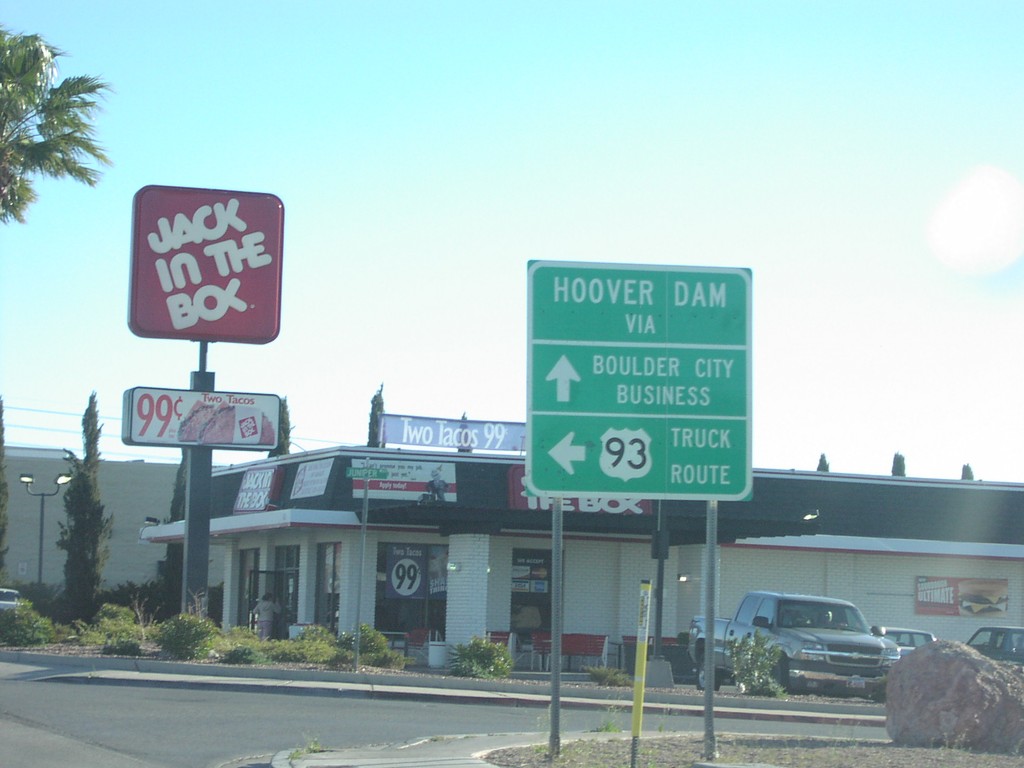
point(8, 599)
point(826, 643)
point(1000, 643)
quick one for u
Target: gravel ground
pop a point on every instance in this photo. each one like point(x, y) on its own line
point(684, 751)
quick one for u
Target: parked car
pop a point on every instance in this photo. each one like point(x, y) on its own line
point(826, 642)
point(8, 598)
point(909, 639)
point(1000, 643)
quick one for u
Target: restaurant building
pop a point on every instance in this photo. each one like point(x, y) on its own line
point(453, 544)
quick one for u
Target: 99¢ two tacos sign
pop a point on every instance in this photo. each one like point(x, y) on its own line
point(206, 265)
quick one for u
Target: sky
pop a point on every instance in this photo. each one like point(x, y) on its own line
point(863, 159)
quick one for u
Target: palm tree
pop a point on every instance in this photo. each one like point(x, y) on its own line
point(45, 126)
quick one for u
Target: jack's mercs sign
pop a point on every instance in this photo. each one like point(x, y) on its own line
point(206, 265)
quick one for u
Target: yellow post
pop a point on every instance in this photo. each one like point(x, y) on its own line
point(640, 668)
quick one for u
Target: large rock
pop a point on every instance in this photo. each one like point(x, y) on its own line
point(947, 694)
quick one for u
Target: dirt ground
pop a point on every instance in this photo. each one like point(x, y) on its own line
point(683, 751)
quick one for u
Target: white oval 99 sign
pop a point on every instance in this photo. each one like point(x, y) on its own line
point(406, 576)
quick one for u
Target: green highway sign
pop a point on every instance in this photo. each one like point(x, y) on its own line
point(638, 379)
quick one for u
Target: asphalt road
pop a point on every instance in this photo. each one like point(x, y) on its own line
point(95, 724)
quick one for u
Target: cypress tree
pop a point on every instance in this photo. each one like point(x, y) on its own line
point(284, 431)
point(899, 465)
point(966, 473)
point(376, 411)
point(86, 535)
point(823, 464)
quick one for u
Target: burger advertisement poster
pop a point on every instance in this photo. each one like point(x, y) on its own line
point(952, 596)
point(222, 420)
point(206, 265)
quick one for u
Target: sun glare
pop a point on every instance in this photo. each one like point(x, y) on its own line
point(978, 227)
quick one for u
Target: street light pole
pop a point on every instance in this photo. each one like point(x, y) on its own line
point(28, 479)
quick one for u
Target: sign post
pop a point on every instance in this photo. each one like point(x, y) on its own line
point(640, 667)
point(205, 266)
point(366, 473)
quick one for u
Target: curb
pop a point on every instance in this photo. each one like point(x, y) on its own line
point(158, 673)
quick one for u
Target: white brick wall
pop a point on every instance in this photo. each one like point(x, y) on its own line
point(499, 586)
point(881, 585)
point(466, 611)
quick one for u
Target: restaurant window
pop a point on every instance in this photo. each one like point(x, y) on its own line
point(286, 583)
point(531, 591)
point(412, 587)
point(328, 585)
point(248, 586)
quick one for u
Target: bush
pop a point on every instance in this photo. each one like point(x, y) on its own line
point(480, 658)
point(123, 646)
point(311, 651)
point(373, 649)
point(187, 636)
point(753, 663)
point(609, 676)
point(112, 624)
point(244, 654)
point(45, 598)
point(371, 642)
point(25, 626)
point(236, 636)
point(387, 659)
point(314, 645)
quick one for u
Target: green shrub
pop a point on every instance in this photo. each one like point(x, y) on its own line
point(312, 651)
point(187, 636)
point(314, 645)
point(386, 659)
point(371, 642)
point(753, 662)
point(609, 676)
point(45, 598)
point(234, 637)
point(480, 658)
point(244, 654)
point(317, 633)
point(122, 646)
point(373, 649)
point(23, 625)
point(112, 624)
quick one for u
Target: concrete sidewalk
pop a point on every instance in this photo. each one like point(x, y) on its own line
point(525, 689)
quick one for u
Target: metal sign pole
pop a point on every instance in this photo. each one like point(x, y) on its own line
point(710, 584)
point(199, 471)
point(640, 668)
point(362, 559)
point(555, 739)
point(659, 585)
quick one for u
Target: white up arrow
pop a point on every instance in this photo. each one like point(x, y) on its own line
point(565, 453)
point(563, 373)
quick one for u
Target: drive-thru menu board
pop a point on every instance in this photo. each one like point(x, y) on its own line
point(639, 381)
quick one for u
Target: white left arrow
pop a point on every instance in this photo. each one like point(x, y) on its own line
point(565, 453)
point(563, 373)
